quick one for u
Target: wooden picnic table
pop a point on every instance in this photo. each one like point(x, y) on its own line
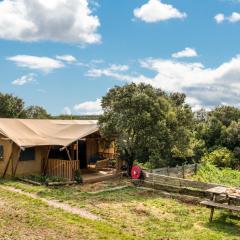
point(221, 197)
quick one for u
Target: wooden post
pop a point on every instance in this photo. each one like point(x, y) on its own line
point(18, 158)
point(8, 161)
point(7, 165)
point(77, 155)
point(69, 156)
point(212, 208)
point(46, 161)
point(195, 168)
point(183, 170)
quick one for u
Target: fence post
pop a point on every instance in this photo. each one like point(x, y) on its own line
point(183, 170)
point(168, 170)
point(196, 168)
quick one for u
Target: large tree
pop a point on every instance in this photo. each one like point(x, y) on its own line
point(147, 124)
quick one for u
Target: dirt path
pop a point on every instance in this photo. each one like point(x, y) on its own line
point(56, 204)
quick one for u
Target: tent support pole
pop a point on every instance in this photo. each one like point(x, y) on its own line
point(18, 158)
point(69, 156)
point(77, 154)
point(46, 161)
point(8, 162)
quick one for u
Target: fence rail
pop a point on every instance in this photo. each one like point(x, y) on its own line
point(62, 168)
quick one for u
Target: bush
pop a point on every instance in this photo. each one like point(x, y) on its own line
point(211, 174)
point(78, 176)
point(220, 157)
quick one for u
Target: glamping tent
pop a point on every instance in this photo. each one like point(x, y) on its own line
point(51, 147)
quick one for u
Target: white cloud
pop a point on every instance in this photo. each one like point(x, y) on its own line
point(120, 68)
point(66, 58)
point(233, 18)
point(67, 111)
point(219, 18)
point(24, 79)
point(187, 52)
point(55, 20)
point(111, 71)
point(204, 86)
point(89, 107)
point(44, 64)
point(155, 11)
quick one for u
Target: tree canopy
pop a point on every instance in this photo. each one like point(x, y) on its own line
point(14, 107)
point(147, 124)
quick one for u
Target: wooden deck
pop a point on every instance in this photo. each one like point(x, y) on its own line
point(91, 176)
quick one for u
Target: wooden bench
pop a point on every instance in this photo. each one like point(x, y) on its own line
point(213, 205)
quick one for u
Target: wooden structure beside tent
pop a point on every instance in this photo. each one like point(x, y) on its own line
point(52, 147)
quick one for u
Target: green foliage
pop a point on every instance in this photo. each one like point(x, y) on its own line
point(45, 179)
point(11, 106)
point(220, 157)
point(211, 174)
point(14, 107)
point(78, 176)
point(36, 112)
point(226, 114)
point(147, 124)
point(76, 117)
point(220, 128)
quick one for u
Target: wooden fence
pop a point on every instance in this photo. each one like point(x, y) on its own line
point(62, 168)
point(179, 171)
point(176, 182)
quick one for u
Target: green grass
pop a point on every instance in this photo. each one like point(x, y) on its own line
point(24, 218)
point(212, 174)
point(140, 213)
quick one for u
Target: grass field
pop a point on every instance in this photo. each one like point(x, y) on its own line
point(127, 214)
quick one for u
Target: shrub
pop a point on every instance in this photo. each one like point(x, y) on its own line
point(220, 157)
point(78, 176)
point(211, 174)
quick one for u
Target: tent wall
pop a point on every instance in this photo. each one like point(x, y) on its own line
point(24, 167)
point(30, 167)
point(7, 150)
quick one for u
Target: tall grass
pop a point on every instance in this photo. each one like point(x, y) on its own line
point(212, 174)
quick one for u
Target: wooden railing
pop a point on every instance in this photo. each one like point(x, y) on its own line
point(62, 168)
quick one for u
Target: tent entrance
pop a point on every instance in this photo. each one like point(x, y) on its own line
point(82, 153)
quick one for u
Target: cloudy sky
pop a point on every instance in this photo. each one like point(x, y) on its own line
point(65, 54)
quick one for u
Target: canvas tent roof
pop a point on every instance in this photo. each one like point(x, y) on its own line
point(29, 132)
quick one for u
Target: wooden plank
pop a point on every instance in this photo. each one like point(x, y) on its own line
point(208, 203)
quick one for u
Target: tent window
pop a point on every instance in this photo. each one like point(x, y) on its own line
point(1, 152)
point(28, 154)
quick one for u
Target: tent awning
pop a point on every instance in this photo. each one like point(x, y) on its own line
point(33, 132)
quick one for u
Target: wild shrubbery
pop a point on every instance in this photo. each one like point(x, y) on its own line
point(213, 174)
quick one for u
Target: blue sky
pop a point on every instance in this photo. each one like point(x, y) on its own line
point(65, 55)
